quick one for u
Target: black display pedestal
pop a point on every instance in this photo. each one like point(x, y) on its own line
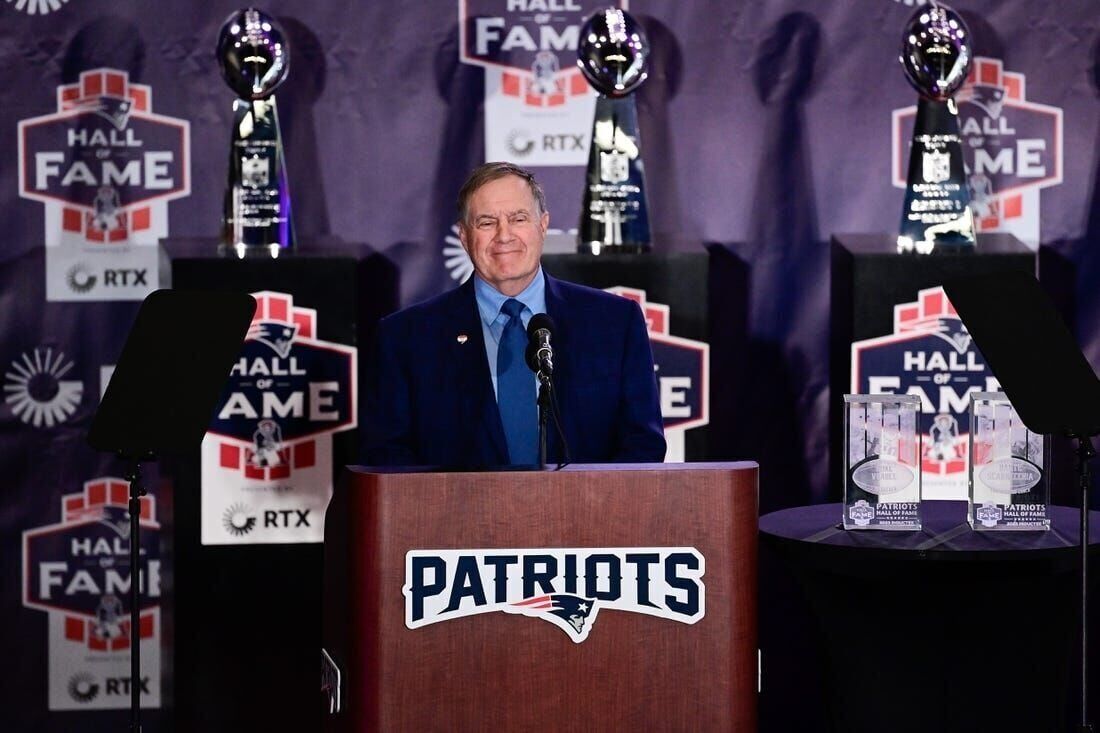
point(247, 618)
point(869, 278)
point(678, 280)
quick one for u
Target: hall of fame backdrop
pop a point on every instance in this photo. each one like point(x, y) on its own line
point(770, 124)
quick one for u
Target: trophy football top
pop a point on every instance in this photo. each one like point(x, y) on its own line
point(253, 54)
point(935, 52)
point(612, 52)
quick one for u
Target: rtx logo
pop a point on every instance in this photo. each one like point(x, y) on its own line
point(121, 686)
point(81, 279)
point(125, 278)
point(286, 518)
point(522, 142)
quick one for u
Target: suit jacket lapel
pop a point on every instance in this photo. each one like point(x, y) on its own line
point(478, 411)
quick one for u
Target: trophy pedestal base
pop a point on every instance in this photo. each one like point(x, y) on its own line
point(599, 248)
point(251, 251)
point(876, 293)
point(248, 617)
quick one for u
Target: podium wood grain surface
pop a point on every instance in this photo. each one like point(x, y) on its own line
point(504, 672)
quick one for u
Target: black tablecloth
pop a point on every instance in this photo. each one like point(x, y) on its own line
point(946, 629)
point(945, 530)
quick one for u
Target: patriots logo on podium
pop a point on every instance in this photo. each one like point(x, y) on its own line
point(567, 587)
point(572, 614)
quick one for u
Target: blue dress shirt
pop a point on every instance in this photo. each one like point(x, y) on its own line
point(489, 302)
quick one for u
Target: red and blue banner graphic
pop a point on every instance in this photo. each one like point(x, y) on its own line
point(267, 457)
point(78, 571)
point(105, 166)
point(930, 355)
point(539, 107)
point(683, 374)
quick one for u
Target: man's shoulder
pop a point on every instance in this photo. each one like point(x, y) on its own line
point(583, 297)
point(598, 308)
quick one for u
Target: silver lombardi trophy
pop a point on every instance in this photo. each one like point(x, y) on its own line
point(254, 59)
point(936, 57)
point(612, 53)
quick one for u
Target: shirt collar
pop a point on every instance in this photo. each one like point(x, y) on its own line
point(490, 300)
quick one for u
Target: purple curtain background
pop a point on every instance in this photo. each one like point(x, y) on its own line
point(765, 125)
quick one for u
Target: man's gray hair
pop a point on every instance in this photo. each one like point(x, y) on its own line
point(490, 172)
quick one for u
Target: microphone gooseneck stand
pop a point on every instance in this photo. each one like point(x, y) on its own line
point(556, 414)
point(548, 408)
point(545, 406)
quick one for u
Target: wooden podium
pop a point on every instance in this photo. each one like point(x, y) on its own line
point(509, 672)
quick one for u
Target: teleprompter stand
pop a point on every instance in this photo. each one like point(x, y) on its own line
point(1047, 378)
point(160, 399)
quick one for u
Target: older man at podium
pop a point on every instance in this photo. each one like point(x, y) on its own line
point(449, 384)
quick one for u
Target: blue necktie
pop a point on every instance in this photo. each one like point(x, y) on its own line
point(516, 389)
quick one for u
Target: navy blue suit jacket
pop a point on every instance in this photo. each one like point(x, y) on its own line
point(430, 400)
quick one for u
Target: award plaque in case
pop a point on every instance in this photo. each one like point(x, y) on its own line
point(882, 467)
point(1009, 468)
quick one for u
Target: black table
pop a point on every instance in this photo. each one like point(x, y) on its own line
point(945, 629)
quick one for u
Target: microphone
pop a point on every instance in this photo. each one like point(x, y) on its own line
point(540, 355)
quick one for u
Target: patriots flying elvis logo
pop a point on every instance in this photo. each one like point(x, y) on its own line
point(565, 587)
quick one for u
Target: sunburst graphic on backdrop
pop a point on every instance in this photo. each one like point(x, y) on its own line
point(237, 520)
point(82, 687)
point(37, 7)
point(36, 392)
point(457, 261)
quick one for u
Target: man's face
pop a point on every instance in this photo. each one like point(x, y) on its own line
point(503, 234)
